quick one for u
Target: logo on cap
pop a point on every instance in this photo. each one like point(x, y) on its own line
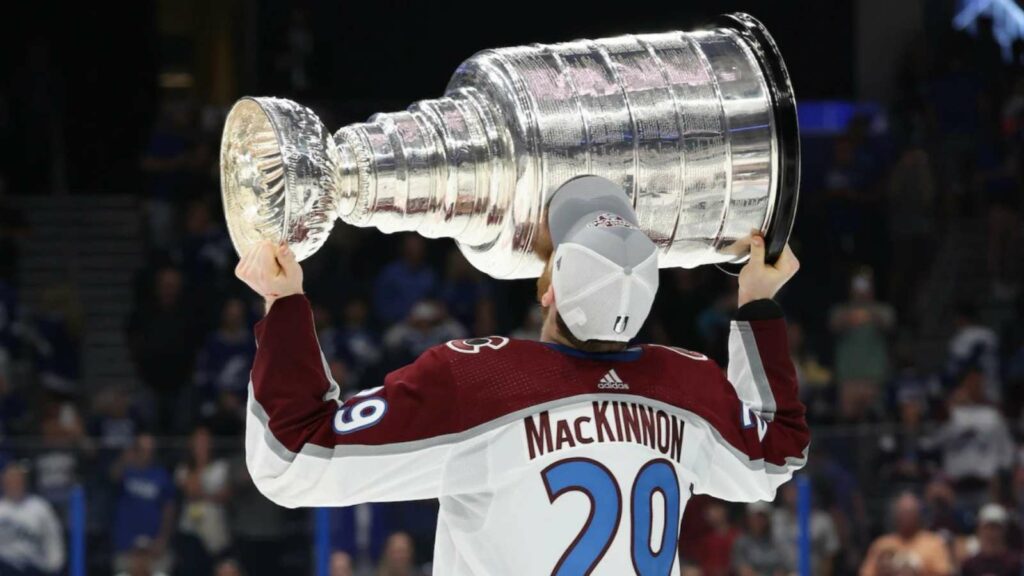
point(609, 220)
point(620, 324)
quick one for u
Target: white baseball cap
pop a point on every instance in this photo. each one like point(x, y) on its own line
point(605, 271)
point(992, 513)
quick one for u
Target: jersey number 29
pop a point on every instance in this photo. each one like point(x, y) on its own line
point(599, 485)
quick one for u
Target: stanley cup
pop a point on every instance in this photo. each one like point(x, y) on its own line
point(699, 128)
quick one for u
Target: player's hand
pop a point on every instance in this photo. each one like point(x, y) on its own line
point(760, 280)
point(271, 271)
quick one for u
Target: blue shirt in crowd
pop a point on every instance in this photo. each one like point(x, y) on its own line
point(224, 363)
point(398, 287)
point(140, 505)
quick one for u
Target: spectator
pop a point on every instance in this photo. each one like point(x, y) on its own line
point(228, 567)
point(31, 537)
point(224, 361)
point(358, 346)
point(428, 324)
point(205, 485)
point(341, 564)
point(714, 551)
point(905, 457)
point(170, 164)
point(361, 531)
point(113, 425)
point(57, 329)
point(399, 557)
point(974, 345)
point(532, 322)
point(141, 562)
point(713, 324)
point(160, 333)
point(977, 449)
point(944, 516)
point(467, 295)
point(988, 553)
point(145, 507)
point(341, 375)
point(56, 463)
point(403, 283)
point(845, 185)
point(824, 535)
point(815, 379)
point(756, 552)
point(207, 253)
point(258, 526)
point(326, 333)
point(861, 326)
point(919, 547)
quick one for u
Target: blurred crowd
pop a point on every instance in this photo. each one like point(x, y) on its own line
point(917, 463)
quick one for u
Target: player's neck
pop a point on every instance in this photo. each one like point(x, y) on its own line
point(554, 336)
point(551, 333)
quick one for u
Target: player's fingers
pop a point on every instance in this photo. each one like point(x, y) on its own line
point(787, 262)
point(757, 250)
point(244, 268)
point(265, 264)
point(286, 259)
point(241, 264)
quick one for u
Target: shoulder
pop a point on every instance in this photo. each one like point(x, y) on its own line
point(478, 344)
point(37, 504)
point(680, 355)
point(676, 363)
point(450, 360)
point(932, 539)
point(479, 351)
point(884, 542)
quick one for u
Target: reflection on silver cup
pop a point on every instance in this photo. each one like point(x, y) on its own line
point(699, 128)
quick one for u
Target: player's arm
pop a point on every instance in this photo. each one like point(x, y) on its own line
point(304, 447)
point(764, 434)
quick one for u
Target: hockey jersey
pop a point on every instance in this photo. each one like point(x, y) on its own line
point(545, 459)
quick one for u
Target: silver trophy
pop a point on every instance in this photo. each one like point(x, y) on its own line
point(699, 128)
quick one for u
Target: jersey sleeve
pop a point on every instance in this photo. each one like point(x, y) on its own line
point(762, 437)
point(306, 447)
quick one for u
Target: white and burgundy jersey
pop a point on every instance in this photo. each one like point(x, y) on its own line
point(546, 460)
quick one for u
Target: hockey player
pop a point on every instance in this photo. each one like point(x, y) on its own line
point(573, 455)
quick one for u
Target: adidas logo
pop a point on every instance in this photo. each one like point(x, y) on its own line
point(611, 381)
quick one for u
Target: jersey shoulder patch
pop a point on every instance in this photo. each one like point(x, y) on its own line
point(477, 345)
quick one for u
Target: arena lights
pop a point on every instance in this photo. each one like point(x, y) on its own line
point(1007, 20)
